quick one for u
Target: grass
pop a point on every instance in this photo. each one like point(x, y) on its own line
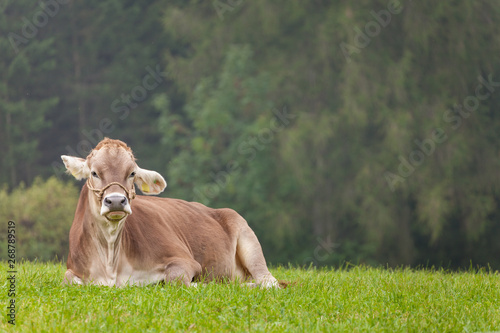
point(354, 299)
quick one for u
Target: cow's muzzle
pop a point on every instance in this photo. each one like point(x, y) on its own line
point(114, 206)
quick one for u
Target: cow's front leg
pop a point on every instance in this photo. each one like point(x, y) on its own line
point(179, 270)
point(71, 278)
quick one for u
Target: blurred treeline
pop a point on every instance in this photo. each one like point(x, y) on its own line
point(365, 131)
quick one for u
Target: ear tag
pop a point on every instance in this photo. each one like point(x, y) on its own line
point(145, 188)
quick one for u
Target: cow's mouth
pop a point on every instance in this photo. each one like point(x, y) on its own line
point(116, 216)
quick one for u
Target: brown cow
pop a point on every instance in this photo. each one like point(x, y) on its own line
point(118, 238)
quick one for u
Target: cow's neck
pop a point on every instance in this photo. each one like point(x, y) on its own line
point(108, 243)
point(107, 237)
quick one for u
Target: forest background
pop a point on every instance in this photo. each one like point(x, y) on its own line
point(366, 132)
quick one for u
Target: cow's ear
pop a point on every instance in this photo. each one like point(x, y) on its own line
point(150, 182)
point(76, 166)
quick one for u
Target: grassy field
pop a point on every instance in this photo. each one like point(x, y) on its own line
point(354, 299)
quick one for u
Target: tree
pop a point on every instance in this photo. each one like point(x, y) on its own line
point(26, 60)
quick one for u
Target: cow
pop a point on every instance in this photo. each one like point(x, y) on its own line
point(119, 238)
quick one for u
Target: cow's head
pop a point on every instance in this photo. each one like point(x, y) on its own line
point(111, 171)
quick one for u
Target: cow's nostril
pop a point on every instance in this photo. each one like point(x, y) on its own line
point(107, 202)
point(124, 201)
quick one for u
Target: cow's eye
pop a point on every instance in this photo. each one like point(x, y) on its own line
point(132, 175)
point(94, 174)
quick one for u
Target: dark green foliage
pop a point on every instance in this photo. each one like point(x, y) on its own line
point(361, 131)
point(26, 62)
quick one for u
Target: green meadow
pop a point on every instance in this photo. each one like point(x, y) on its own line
point(348, 299)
